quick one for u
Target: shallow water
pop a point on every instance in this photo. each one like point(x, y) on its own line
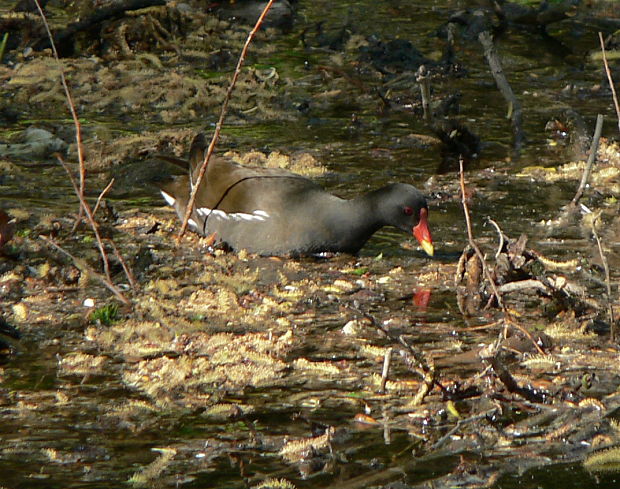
point(94, 452)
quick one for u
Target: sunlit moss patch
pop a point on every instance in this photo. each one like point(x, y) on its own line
point(296, 450)
point(603, 461)
point(152, 471)
point(82, 364)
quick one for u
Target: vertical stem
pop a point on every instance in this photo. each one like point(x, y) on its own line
point(612, 322)
point(216, 135)
point(76, 121)
point(425, 91)
point(591, 158)
point(610, 79)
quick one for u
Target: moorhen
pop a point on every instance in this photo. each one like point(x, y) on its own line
point(274, 212)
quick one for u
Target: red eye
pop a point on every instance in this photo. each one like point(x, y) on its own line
point(408, 210)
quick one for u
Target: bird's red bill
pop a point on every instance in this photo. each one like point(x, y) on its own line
point(422, 233)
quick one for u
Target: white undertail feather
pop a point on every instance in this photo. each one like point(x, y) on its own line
point(169, 198)
point(204, 212)
point(256, 215)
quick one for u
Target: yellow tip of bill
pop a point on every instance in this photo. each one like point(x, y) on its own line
point(428, 247)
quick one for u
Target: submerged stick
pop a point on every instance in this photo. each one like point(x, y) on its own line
point(427, 366)
point(516, 113)
point(591, 158)
point(126, 268)
point(218, 127)
point(512, 385)
point(5, 38)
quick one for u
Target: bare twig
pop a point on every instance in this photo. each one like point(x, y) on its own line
point(5, 38)
point(89, 215)
point(81, 264)
point(429, 372)
point(487, 275)
point(103, 192)
point(472, 241)
point(591, 159)
point(126, 268)
point(79, 190)
point(216, 134)
point(500, 246)
point(612, 322)
point(610, 79)
point(427, 366)
point(76, 120)
point(530, 284)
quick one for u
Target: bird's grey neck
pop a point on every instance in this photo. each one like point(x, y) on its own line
point(357, 219)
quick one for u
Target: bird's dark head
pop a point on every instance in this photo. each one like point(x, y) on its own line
point(405, 207)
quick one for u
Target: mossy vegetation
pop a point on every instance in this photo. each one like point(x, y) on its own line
point(106, 315)
point(239, 365)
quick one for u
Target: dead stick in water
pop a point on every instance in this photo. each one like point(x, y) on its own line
point(427, 366)
point(423, 79)
point(515, 111)
point(472, 241)
point(386, 369)
point(474, 246)
point(591, 158)
point(500, 245)
point(79, 190)
point(512, 385)
point(216, 134)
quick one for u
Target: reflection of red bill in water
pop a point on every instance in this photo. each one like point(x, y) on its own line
point(421, 298)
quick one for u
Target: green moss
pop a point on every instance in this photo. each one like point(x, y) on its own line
point(106, 315)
